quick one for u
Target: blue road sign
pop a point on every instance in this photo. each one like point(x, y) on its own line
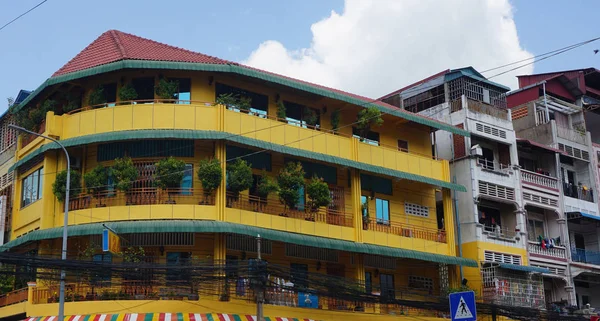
point(105, 240)
point(462, 306)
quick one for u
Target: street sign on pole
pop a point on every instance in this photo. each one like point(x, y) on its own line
point(462, 306)
point(110, 241)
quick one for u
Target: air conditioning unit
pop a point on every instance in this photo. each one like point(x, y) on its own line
point(476, 150)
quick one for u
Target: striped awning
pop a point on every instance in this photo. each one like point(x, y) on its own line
point(163, 317)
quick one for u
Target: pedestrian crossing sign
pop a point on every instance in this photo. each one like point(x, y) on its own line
point(462, 306)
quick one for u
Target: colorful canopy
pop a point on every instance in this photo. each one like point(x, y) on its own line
point(163, 317)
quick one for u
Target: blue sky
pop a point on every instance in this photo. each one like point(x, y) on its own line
point(41, 42)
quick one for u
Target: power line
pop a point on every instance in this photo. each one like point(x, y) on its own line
point(21, 15)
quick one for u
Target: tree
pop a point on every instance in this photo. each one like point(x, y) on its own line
point(7, 281)
point(169, 172)
point(318, 194)
point(335, 120)
point(73, 101)
point(127, 93)
point(97, 96)
point(124, 173)
point(210, 175)
point(234, 101)
point(281, 111)
point(239, 177)
point(310, 117)
point(368, 118)
point(290, 180)
point(59, 187)
point(167, 89)
point(266, 185)
point(95, 180)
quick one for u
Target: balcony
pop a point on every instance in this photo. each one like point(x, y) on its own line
point(205, 116)
point(405, 230)
point(331, 216)
point(556, 252)
point(13, 297)
point(578, 192)
point(585, 256)
point(499, 233)
point(539, 180)
point(571, 135)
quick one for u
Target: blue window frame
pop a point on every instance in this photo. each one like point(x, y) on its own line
point(184, 93)
point(364, 201)
point(301, 200)
point(187, 181)
point(382, 208)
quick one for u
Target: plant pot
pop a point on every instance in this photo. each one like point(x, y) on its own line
point(100, 205)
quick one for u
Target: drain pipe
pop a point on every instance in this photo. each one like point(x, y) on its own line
point(458, 234)
point(546, 101)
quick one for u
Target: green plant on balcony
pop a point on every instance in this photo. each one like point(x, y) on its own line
point(210, 175)
point(127, 93)
point(239, 178)
point(281, 111)
point(7, 281)
point(97, 96)
point(167, 89)
point(169, 174)
point(234, 101)
point(124, 173)
point(335, 120)
point(290, 180)
point(365, 214)
point(95, 182)
point(60, 184)
point(367, 119)
point(72, 101)
point(310, 117)
point(318, 195)
point(266, 186)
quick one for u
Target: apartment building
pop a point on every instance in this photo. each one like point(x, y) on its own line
point(491, 214)
point(390, 226)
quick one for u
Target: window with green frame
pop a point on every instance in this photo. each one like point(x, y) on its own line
point(145, 148)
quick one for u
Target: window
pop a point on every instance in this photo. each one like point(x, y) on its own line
point(371, 138)
point(386, 281)
point(178, 259)
point(299, 275)
point(187, 181)
point(299, 115)
point(376, 184)
point(259, 103)
point(487, 160)
point(31, 189)
point(110, 93)
point(255, 160)
point(528, 164)
point(146, 148)
point(184, 92)
point(382, 207)
point(301, 199)
point(402, 145)
point(110, 184)
point(489, 218)
point(103, 276)
point(364, 201)
point(420, 282)
point(368, 283)
point(144, 87)
point(535, 228)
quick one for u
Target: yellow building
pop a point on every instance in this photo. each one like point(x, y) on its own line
point(404, 247)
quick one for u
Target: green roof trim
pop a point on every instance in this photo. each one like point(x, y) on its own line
point(245, 71)
point(199, 226)
point(213, 135)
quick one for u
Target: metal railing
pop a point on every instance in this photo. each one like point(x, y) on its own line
point(252, 203)
point(406, 230)
point(539, 179)
point(499, 232)
point(558, 252)
point(16, 296)
point(142, 196)
point(585, 256)
point(490, 165)
point(579, 192)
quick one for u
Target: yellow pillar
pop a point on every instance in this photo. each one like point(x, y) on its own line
point(356, 205)
point(221, 193)
point(220, 254)
point(449, 222)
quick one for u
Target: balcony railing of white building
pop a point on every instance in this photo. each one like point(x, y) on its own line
point(495, 231)
point(491, 166)
point(578, 191)
point(572, 135)
point(539, 179)
point(559, 252)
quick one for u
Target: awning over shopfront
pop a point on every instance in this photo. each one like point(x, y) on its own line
point(523, 268)
point(199, 226)
point(571, 216)
point(163, 317)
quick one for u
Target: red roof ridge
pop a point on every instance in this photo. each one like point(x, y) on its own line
point(117, 40)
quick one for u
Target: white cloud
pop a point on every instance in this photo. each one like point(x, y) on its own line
point(375, 47)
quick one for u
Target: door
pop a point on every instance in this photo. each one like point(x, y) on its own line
point(579, 254)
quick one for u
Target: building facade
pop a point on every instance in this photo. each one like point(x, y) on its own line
point(389, 228)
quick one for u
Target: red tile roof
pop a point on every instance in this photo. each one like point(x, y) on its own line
point(115, 45)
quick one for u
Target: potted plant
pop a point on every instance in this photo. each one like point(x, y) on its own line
point(124, 173)
point(96, 96)
point(335, 120)
point(366, 119)
point(310, 117)
point(60, 185)
point(127, 93)
point(281, 111)
point(233, 101)
point(290, 180)
point(73, 101)
point(318, 196)
point(167, 89)
point(266, 185)
point(95, 182)
point(239, 178)
point(365, 210)
point(169, 174)
point(228, 100)
point(210, 175)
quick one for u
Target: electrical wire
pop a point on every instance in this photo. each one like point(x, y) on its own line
point(21, 15)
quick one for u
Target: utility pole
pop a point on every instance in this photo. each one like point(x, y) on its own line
point(259, 288)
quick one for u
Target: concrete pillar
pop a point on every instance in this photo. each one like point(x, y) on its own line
point(221, 193)
point(357, 216)
point(449, 222)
